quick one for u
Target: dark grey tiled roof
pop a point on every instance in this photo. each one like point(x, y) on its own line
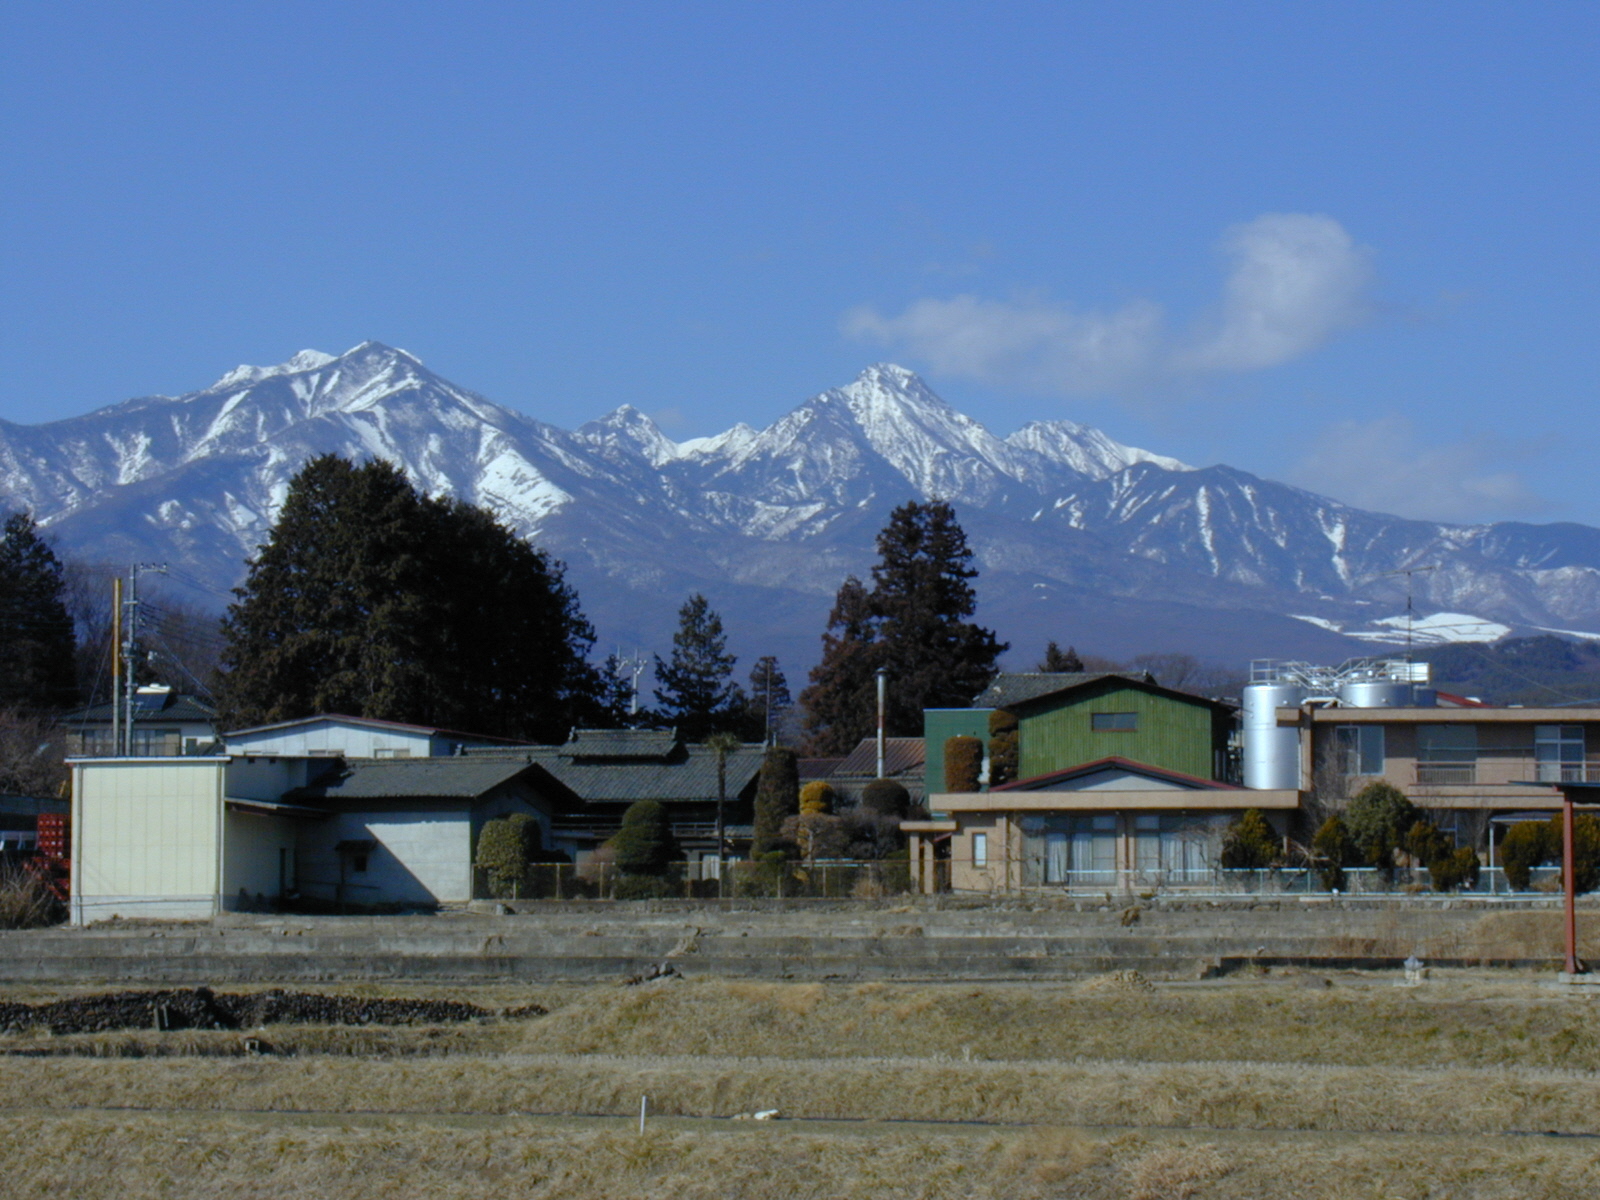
point(415, 778)
point(31, 806)
point(621, 743)
point(175, 706)
point(1019, 688)
point(690, 777)
point(900, 754)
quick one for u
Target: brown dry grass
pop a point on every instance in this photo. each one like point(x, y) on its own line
point(1266, 1087)
point(96, 1157)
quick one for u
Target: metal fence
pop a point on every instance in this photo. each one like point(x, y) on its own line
point(1290, 881)
point(824, 879)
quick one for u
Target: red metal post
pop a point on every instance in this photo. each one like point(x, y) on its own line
point(1568, 883)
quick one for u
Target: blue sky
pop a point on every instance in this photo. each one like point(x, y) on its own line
point(1352, 246)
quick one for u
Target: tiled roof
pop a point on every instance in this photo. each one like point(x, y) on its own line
point(174, 706)
point(691, 777)
point(900, 754)
point(621, 743)
point(373, 723)
point(415, 778)
point(816, 768)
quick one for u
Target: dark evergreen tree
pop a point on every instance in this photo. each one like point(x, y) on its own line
point(841, 702)
point(371, 600)
point(1058, 662)
point(38, 672)
point(696, 692)
point(914, 623)
point(645, 845)
point(767, 701)
point(777, 798)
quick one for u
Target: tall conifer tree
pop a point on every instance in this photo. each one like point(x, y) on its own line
point(37, 644)
point(696, 692)
point(370, 600)
point(914, 623)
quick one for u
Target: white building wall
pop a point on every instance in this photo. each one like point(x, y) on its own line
point(251, 845)
point(420, 857)
point(331, 737)
point(146, 838)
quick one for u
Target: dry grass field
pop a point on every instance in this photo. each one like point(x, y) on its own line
point(1286, 1084)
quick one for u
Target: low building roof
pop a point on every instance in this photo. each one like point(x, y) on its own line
point(691, 775)
point(658, 744)
point(900, 755)
point(414, 778)
point(162, 706)
point(1013, 691)
point(1053, 779)
point(372, 723)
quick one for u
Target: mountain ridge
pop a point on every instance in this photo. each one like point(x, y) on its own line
point(776, 516)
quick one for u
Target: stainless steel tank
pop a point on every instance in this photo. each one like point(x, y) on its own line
point(1271, 754)
point(1376, 693)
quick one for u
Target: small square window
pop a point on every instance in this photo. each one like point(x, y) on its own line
point(358, 863)
point(1120, 722)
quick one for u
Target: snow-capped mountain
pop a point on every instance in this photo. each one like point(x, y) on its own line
point(1080, 538)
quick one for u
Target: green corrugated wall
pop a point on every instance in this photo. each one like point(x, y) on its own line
point(1172, 733)
point(939, 724)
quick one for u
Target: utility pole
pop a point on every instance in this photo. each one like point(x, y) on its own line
point(116, 666)
point(130, 642)
point(767, 740)
point(883, 692)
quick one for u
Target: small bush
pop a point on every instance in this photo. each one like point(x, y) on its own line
point(506, 845)
point(817, 797)
point(963, 762)
point(1457, 868)
point(1333, 849)
point(26, 901)
point(1525, 846)
point(1426, 844)
point(1378, 820)
point(1251, 843)
point(1002, 721)
point(644, 845)
point(646, 887)
point(886, 797)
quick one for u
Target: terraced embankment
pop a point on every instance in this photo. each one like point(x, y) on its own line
point(845, 942)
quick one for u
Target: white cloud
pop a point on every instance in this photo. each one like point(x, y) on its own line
point(1030, 343)
point(1384, 465)
point(1296, 279)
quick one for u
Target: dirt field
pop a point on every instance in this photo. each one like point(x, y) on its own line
point(1285, 1084)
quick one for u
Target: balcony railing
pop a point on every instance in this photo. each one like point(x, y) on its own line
point(1504, 767)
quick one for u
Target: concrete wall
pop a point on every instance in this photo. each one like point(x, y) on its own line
point(146, 837)
point(258, 856)
point(421, 856)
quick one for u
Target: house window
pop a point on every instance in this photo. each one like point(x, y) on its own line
point(1114, 722)
point(980, 849)
point(391, 752)
point(1447, 754)
point(1558, 753)
point(358, 863)
point(1359, 749)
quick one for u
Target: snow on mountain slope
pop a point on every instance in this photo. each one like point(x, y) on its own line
point(199, 478)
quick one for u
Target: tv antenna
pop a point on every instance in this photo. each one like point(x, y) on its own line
point(1411, 608)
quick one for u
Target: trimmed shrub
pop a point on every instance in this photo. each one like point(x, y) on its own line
point(1426, 844)
point(1002, 721)
point(1378, 820)
point(1455, 869)
point(506, 845)
point(644, 845)
point(963, 762)
point(1525, 846)
point(1333, 850)
point(886, 797)
point(777, 796)
point(1251, 843)
point(1585, 849)
point(817, 798)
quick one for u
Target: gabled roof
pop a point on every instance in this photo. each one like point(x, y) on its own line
point(414, 778)
point(1053, 779)
point(149, 706)
point(1022, 690)
point(372, 723)
point(900, 754)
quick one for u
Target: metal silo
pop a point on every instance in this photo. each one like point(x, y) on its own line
point(1376, 693)
point(1271, 754)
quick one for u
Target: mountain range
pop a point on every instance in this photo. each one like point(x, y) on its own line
point(1079, 538)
